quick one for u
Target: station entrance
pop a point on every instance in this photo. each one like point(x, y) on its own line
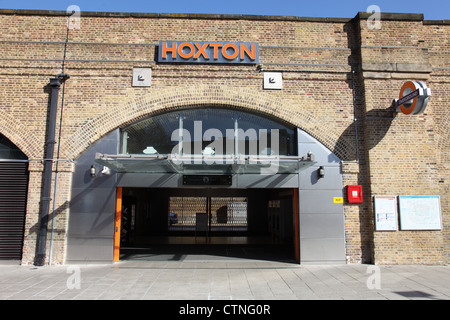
point(155, 224)
point(138, 194)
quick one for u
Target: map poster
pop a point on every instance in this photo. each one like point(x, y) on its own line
point(420, 213)
point(386, 213)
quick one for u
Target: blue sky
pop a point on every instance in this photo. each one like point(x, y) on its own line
point(432, 9)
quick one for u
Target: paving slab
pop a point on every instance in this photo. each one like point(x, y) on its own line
point(210, 279)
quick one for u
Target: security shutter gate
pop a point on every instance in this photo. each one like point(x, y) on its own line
point(213, 214)
point(13, 200)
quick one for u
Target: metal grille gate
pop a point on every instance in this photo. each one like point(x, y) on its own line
point(212, 214)
point(13, 201)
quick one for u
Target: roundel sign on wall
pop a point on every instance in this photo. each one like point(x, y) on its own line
point(413, 97)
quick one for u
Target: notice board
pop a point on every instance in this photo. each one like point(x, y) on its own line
point(420, 213)
point(385, 213)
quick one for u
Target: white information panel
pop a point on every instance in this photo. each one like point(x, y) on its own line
point(386, 213)
point(420, 213)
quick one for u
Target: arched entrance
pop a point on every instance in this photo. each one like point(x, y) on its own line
point(209, 172)
point(13, 200)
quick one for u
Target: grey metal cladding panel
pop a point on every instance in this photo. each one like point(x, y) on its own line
point(92, 207)
point(82, 178)
point(160, 180)
point(320, 201)
point(322, 226)
point(93, 200)
point(304, 137)
point(107, 144)
point(322, 251)
point(308, 143)
point(321, 154)
point(90, 249)
point(92, 211)
point(267, 181)
point(102, 146)
point(309, 179)
point(91, 225)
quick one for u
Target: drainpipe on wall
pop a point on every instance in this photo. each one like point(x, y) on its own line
point(55, 83)
point(355, 118)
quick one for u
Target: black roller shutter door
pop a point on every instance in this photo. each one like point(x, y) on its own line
point(13, 201)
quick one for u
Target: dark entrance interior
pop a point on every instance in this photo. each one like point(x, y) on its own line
point(172, 224)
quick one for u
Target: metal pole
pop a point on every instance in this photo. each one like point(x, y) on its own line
point(236, 137)
point(53, 216)
point(55, 83)
point(355, 121)
point(180, 136)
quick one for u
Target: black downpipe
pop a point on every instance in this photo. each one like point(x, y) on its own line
point(55, 83)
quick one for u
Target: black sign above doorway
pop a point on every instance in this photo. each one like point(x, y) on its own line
point(207, 180)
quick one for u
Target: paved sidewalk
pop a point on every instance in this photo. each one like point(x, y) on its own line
point(223, 279)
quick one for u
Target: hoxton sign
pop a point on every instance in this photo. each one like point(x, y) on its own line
point(208, 52)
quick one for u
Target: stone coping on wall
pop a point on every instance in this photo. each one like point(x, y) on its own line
point(360, 15)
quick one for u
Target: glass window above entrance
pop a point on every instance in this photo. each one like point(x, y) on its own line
point(208, 141)
point(208, 131)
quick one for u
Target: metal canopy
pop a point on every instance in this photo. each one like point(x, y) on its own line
point(205, 164)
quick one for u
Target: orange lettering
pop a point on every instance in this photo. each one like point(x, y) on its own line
point(216, 47)
point(206, 52)
point(201, 51)
point(225, 53)
point(251, 53)
point(184, 55)
point(165, 50)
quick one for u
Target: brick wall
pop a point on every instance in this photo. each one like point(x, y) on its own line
point(316, 56)
point(406, 154)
